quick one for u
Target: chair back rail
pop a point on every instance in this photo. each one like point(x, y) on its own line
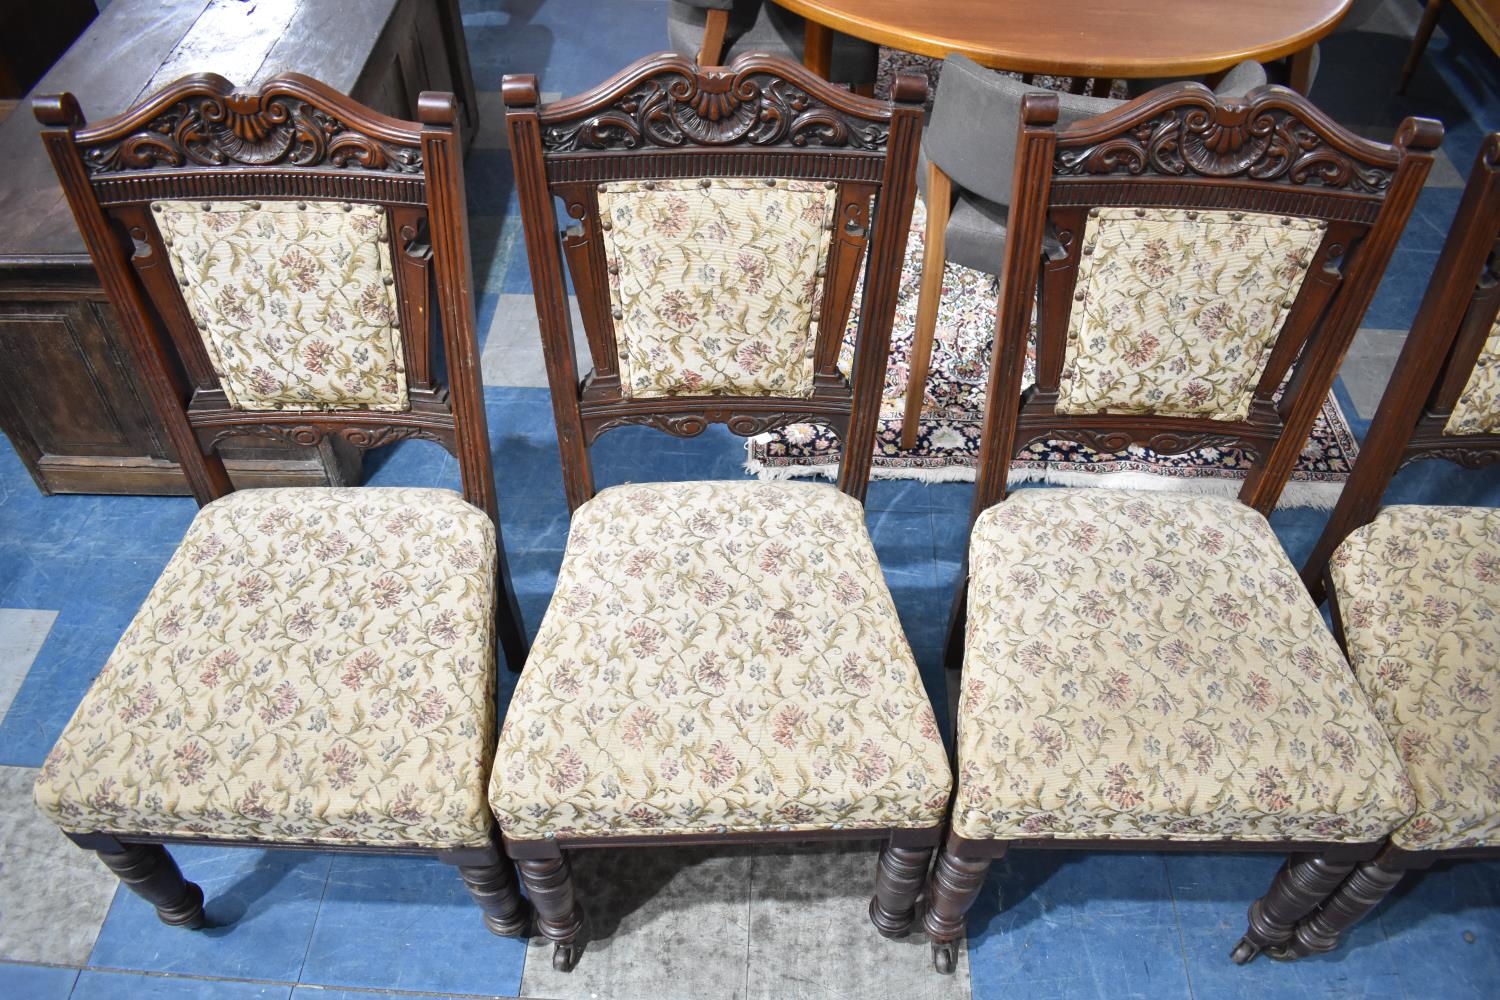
point(200, 143)
point(1269, 162)
point(1449, 337)
point(665, 127)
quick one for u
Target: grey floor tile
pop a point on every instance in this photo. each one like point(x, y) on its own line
point(811, 936)
point(1368, 366)
point(491, 134)
point(53, 895)
point(662, 924)
point(22, 632)
point(513, 347)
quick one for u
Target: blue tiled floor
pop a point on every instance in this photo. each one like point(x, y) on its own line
point(311, 925)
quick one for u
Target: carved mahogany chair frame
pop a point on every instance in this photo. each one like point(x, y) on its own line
point(294, 138)
point(1446, 340)
point(1179, 147)
point(667, 118)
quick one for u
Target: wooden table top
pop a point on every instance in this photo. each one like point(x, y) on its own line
point(1112, 38)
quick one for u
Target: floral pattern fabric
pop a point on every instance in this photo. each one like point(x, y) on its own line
point(1478, 408)
point(295, 301)
point(948, 434)
point(716, 284)
point(1418, 591)
point(1176, 312)
point(1147, 665)
point(718, 656)
point(312, 665)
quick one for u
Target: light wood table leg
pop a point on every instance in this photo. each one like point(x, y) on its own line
point(939, 204)
point(817, 48)
point(1299, 70)
point(715, 25)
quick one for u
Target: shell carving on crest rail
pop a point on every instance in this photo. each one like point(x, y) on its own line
point(250, 130)
point(714, 108)
point(1263, 144)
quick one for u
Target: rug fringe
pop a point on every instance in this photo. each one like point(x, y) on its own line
point(1320, 496)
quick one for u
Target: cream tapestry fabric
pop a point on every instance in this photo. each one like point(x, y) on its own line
point(1148, 665)
point(295, 301)
point(718, 656)
point(1478, 408)
point(312, 665)
point(1176, 312)
point(1419, 598)
point(716, 284)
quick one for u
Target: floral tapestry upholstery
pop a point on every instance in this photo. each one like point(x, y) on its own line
point(1147, 665)
point(1175, 312)
point(716, 284)
point(1418, 591)
point(312, 665)
point(718, 656)
point(1478, 408)
point(295, 301)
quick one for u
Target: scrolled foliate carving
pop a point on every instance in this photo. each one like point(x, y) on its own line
point(1229, 140)
point(714, 108)
point(1472, 456)
point(249, 129)
point(309, 435)
point(744, 423)
point(1161, 442)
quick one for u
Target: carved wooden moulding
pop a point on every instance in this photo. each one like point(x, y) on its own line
point(678, 107)
point(249, 129)
point(1255, 141)
point(310, 435)
point(742, 422)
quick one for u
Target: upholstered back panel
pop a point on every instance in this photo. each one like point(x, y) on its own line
point(716, 284)
point(295, 301)
point(1478, 408)
point(1175, 312)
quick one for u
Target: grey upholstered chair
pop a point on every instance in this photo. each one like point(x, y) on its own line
point(714, 31)
point(964, 175)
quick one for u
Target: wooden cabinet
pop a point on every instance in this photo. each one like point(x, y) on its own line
point(71, 401)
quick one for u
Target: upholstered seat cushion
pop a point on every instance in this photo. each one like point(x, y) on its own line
point(718, 656)
point(1147, 665)
point(312, 665)
point(1418, 591)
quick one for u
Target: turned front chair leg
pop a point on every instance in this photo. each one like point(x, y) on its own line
point(1304, 881)
point(1360, 893)
point(491, 880)
point(549, 883)
point(952, 890)
point(151, 873)
point(919, 362)
point(898, 881)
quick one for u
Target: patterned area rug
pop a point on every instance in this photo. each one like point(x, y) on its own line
point(948, 440)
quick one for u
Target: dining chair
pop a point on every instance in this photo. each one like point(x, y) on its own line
point(714, 31)
point(1142, 670)
point(314, 668)
point(1414, 590)
point(968, 151)
point(721, 662)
